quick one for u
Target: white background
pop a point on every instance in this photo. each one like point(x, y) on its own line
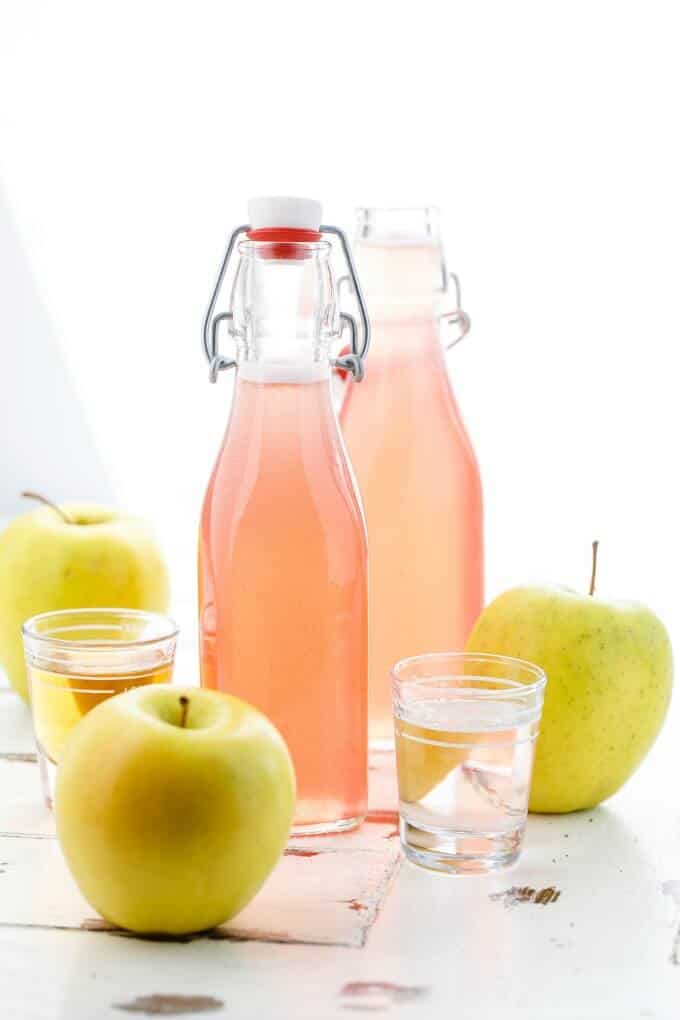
point(132, 133)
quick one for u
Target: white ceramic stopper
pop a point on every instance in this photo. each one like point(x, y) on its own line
point(283, 211)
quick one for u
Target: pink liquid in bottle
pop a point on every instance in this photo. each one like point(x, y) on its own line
point(414, 462)
point(282, 560)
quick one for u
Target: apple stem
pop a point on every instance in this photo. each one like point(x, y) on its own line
point(594, 570)
point(184, 702)
point(47, 502)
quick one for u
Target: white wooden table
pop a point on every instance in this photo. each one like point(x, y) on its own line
point(601, 942)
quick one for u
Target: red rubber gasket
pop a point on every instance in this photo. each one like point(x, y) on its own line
point(284, 234)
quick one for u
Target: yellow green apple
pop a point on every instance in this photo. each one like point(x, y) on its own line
point(610, 670)
point(173, 806)
point(73, 556)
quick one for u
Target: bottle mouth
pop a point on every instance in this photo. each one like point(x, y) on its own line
point(286, 250)
point(399, 226)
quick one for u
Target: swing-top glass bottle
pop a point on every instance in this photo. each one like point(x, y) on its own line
point(282, 559)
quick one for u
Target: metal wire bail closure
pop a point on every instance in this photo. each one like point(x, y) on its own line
point(456, 317)
point(352, 362)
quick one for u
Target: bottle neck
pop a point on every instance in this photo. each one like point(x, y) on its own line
point(282, 413)
point(402, 281)
point(284, 312)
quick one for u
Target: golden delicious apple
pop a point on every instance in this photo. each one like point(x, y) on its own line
point(610, 670)
point(73, 557)
point(172, 806)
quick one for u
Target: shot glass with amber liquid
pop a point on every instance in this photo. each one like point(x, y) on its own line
point(77, 658)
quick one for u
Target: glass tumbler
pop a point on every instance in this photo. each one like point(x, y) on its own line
point(465, 730)
point(77, 658)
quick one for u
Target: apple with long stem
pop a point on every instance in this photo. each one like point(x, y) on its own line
point(610, 671)
point(77, 556)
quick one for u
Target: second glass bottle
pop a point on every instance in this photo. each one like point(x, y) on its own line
point(414, 461)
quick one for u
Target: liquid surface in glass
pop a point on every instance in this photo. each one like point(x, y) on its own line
point(60, 699)
point(465, 766)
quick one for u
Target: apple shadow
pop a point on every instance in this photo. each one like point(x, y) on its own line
point(589, 846)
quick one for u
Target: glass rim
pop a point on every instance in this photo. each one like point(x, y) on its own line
point(28, 627)
point(514, 687)
point(401, 226)
point(407, 207)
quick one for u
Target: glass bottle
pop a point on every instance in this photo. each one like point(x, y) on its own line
point(413, 459)
point(282, 556)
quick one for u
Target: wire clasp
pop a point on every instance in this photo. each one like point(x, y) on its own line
point(360, 337)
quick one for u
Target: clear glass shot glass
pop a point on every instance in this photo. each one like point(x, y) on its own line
point(465, 731)
point(77, 658)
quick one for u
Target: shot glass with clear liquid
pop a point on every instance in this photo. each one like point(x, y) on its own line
point(77, 658)
point(465, 732)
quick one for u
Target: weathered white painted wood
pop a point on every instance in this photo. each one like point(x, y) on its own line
point(324, 890)
point(328, 898)
point(440, 948)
